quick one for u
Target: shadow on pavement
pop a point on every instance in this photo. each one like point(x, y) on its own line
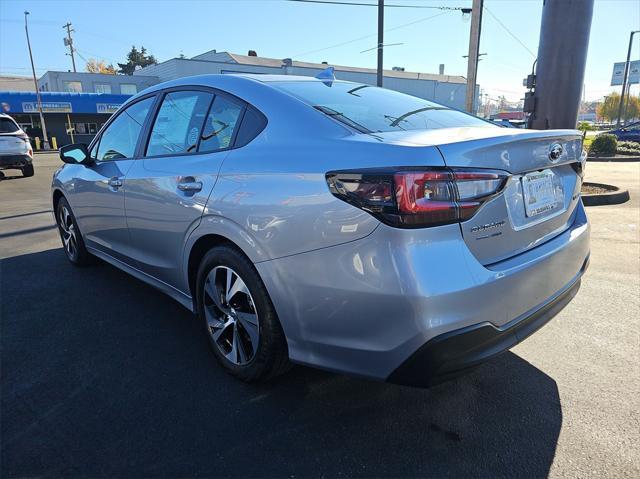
point(104, 376)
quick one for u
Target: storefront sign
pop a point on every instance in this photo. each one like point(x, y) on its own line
point(107, 107)
point(47, 107)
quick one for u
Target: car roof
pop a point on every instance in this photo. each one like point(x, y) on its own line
point(224, 80)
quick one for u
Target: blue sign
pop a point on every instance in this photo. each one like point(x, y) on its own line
point(47, 107)
point(107, 107)
point(61, 102)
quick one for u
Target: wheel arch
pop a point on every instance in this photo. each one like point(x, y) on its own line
point(196, 253)
point(57, 194)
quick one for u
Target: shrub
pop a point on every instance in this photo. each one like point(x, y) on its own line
point(585, 126)
point(604, 145)
point(631, 148)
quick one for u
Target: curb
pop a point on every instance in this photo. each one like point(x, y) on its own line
point(614, 197)
point(619, 158)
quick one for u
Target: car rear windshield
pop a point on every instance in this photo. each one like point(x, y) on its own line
point(371, 109)
point(7, 126)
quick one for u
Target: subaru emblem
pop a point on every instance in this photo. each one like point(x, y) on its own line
point(555, 152)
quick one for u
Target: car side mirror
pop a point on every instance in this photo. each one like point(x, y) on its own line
point(76, 154)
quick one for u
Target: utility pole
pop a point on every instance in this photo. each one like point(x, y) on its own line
point(45, 138)
point(69, 42)
point(562, 58)
point(474, 48)
point(380, 39)
point(625, 87)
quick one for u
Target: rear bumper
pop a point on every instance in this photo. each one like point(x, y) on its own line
point(452, 354)
point(366, 307)
point(14, 161)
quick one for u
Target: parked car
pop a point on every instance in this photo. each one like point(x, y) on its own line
point(15, 149)
point(330, 223)
point(630, 132)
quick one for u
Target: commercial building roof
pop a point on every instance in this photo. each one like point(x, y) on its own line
point(15, 83)
point(227, 57)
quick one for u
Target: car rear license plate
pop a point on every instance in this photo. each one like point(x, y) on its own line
point(539, 192)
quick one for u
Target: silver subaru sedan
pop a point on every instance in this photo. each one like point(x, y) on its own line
point(332, 224)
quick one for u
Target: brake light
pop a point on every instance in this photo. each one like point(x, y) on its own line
point(407, 198)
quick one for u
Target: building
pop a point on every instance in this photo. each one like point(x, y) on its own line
point(82, 82)
point(448, 90)
point(70, 117)
point(15, 83)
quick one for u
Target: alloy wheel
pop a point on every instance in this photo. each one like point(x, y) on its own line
point(67, 227)
point(232, 320)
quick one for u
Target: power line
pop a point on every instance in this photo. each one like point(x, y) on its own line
point(329, 2)
point(510, 32)
point(353, 40)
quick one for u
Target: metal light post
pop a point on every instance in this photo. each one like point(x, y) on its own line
point(45, 138)
point(561, 63)
point(625, 87)
point(380, 40)
point(474, 49)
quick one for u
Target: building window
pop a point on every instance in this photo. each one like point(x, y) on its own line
point(72, 86)
point(102, 88)
point(128, 89)
point(85, 128)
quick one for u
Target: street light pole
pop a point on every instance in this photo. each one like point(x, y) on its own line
point(474, 48)
point(625, 87)
point(380, 40)
point(45, 138)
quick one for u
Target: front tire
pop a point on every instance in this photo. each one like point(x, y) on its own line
point(239, 319)
point(70, 235)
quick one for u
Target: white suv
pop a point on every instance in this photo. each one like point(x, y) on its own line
point(15, 149)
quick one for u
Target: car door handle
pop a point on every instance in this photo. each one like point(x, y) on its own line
point(115, 182)
point(190, 186)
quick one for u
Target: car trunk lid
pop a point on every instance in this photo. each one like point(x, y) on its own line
point(539, 198)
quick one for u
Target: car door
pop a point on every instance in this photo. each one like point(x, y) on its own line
point(97, 192)
point(168, 188)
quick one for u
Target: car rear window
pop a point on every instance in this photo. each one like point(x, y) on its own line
point(371, 109)
point(7, 125)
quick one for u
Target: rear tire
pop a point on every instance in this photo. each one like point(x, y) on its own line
point(72, 241)
point(27, 171)
point(239, 319)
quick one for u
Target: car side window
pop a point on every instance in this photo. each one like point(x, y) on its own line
point(119, 140)
point(253, 122)
point(179, 123)
point(220, 125)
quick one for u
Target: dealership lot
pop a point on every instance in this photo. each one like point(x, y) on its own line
point(104, 376)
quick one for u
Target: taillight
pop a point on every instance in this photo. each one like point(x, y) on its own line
point(410, 198)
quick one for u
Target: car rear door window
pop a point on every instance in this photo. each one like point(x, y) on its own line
point(120, 138)
point(7, 125)
point(178, 123)
point(221, 124)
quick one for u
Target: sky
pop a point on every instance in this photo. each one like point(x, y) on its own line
point(106, 29)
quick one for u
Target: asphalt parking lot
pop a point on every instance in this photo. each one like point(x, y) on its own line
point(102, 375)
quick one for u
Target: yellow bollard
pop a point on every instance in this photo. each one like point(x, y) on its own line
point(37, 143)
point(54, 143)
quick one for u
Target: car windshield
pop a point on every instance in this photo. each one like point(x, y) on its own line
point(370, 109)
point(7, 125)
